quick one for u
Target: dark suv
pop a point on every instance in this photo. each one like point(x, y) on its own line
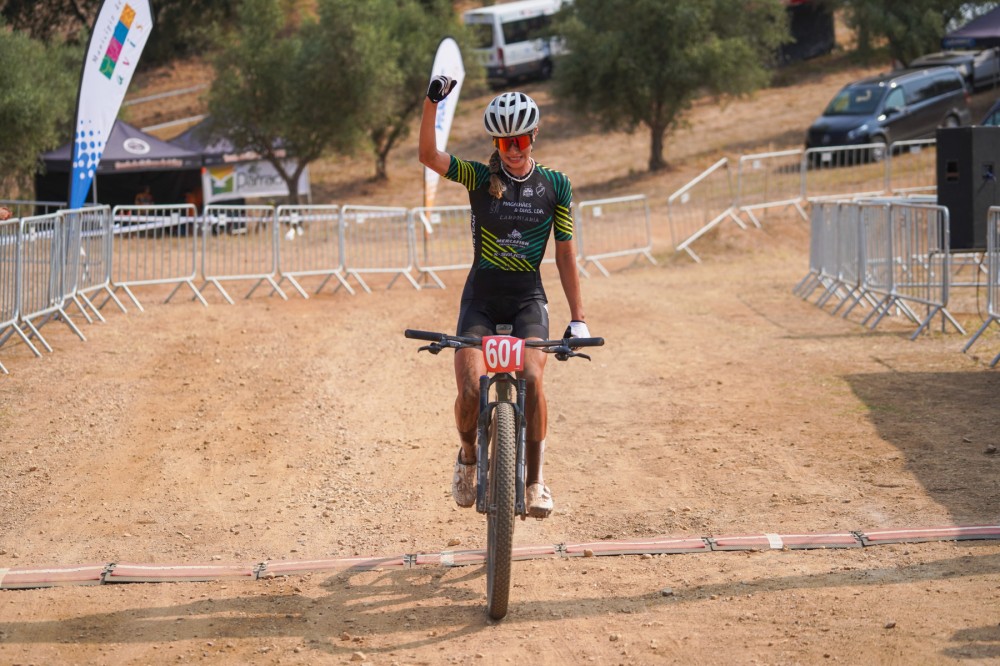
point(980, 69)
point(892, 107)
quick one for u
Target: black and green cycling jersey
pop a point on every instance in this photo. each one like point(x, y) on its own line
point(510, 234)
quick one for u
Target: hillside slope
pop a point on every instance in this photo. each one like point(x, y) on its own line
point(600, 163)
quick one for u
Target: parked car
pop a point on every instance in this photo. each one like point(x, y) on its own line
point(980, 69)
point(892, 107)
point(992, 117)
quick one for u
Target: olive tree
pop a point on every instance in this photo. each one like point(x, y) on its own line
point(643, 62)
point(409, 32)
point(183, 27)
point(300, 91)
point(38, 85)
point(909, 29)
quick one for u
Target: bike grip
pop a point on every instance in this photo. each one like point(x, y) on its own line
point(422, 335)
point(585, 342)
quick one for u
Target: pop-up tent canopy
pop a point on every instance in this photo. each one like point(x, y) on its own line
point(978, 34)
point(231, 174)
point(197, 166)
point(208, 141)
point(132, 160)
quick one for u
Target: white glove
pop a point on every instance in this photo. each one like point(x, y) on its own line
point(577, 329)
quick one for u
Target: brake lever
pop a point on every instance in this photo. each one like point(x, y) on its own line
point(436, 347)
point(564, 352)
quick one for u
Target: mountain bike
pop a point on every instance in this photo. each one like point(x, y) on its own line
point(501, 441)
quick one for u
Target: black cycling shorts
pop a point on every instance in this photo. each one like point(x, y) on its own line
point(479, 318)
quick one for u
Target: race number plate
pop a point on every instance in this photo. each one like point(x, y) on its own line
point(503, 353)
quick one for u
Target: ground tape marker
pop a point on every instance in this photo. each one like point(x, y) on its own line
point(19, 578)
point(448, 558)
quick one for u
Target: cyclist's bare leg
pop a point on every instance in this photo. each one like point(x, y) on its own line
point(536, 413)
point(469, 367)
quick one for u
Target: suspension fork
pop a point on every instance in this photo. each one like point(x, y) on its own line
point(520, 508)
point(504, 384)
point(483, 439)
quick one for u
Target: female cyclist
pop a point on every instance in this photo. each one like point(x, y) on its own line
point(516, 204)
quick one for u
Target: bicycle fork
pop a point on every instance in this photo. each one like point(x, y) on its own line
point(504, 383)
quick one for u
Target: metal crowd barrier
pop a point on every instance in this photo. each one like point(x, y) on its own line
point(154, 245)
point(884, 254)
point(825, 253)
point(793, 177)
point(993, 284)
point(693, 210)
point(912, 167)
point(442, 241)
point(895, 254)
point(239, 243)
point(769, 180)
point(44, 286)
point(819, 211)
point(838, 261)
point(855, 271)
point(610, 228)
point(921, 261)
point(840, 172)
point(10, 285)
point(94, 228)
point(23, 208)
point(876, 242)
point(378, 239)
point(311, 244)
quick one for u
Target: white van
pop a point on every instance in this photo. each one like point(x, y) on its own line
point(513, 40)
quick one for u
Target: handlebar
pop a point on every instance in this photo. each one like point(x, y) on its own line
point(562, 348)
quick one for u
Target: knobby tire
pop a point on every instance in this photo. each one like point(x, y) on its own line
point(500, 510)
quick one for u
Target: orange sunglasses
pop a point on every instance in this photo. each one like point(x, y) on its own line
point(505, 143)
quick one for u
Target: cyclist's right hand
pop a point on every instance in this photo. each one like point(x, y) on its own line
point(577, 329)
point(440, 87)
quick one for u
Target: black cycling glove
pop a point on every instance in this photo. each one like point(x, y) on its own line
point(439, 88)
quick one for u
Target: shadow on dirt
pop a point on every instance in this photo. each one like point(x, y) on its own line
point(427, 607)
point(945, 426)
point(976, 643)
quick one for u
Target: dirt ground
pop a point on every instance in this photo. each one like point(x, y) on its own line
point(311, 429)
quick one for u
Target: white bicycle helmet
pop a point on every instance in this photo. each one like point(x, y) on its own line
point(511, 114)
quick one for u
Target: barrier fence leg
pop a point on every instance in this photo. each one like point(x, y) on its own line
point(982, 329)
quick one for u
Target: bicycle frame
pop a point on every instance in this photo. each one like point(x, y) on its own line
point(497, 419)
point(506, 384)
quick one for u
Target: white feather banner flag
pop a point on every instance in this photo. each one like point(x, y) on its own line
point(448, 62)
point(116, 42)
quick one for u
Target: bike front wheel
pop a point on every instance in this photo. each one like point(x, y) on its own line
point(500, 510)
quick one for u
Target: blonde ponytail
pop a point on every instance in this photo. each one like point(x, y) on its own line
point(497, 187)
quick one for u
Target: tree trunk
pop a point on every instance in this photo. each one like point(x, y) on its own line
point(291, 179)
point(381, 172)
point(656, 161)
point(293, 191)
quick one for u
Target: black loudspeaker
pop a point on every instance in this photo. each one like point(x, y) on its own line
point(967, 162)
